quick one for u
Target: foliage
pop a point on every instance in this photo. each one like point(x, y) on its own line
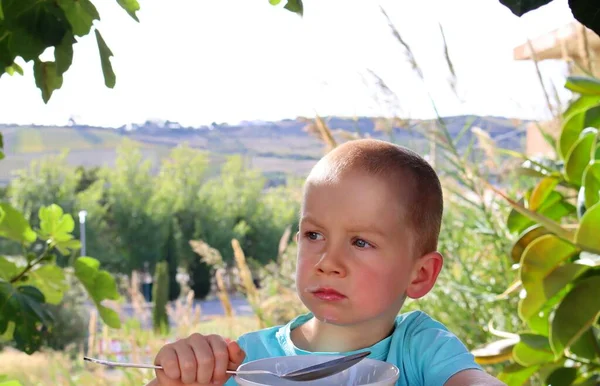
point(557, 251)
point(30, 281)
point(133, 213)
point(70, 317)
point(160, 295)
point(584, 11)
point(29, 27)
point(170, 256)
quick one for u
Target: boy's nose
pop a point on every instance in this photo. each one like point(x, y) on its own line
point(331, 264)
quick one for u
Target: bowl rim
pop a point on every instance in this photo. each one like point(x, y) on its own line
point(393, 367)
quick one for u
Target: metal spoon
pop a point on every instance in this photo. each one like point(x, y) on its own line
point(309, 373)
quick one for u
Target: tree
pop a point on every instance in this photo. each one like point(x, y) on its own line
point(137, 224)
point(29, 27)
point(170, 257)
point(160, 295)
point(585, 11)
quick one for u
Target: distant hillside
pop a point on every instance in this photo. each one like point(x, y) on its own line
point(275, 147)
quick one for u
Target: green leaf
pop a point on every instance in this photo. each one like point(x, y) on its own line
point(23, 306)
point(583, 85)
point(63, 54)
point(562, 376)
point(541, 192)
point(14, 226)
point(11, 383)
point(553, 209)
point(583, 103)
point(295, 6)
point(515, 374)
point(47, 78)
point(14, 68)
point(541, 277)
point(588, 346)
point(80, 14)
point(591, 183)
point(105, 53)
point(50, 280)
point(580, 156)
point(525, 239)
point(575, 314)
point(521, 7)
point(100, 286)
point(1, 12)
point(8, 269)
point(574, 125)
point(587, 234)
point(54, 223)
point(131, 6)
point(532, 350)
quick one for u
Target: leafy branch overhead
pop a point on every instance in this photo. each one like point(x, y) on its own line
point(30, 27)
point(585, 11)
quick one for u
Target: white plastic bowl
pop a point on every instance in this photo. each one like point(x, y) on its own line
point(369, 372)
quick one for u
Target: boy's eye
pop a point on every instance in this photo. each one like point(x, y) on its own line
point(313, 235)
point(361, 243)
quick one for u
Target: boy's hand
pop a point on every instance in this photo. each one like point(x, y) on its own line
point(197, 360)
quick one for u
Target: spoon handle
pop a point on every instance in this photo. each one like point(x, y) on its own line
point(121, 364)
point(144, 366)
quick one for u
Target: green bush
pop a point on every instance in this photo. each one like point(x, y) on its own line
point(160, 295)
point(557, 252)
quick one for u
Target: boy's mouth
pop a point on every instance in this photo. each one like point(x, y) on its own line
point(328, 294)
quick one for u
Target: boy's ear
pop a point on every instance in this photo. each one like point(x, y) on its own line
point(425, 273)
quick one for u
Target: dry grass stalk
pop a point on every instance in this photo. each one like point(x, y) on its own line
point(541, 80)
point(409, 54)
point(245, 275)
point(487, 144)
point(453, 79)
point(284, 241)
point(92, 325)
point(222, 293)
point(209, 255)
point(584, 49)
point(325, 133)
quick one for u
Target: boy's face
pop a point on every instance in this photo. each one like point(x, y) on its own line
point(355, 253)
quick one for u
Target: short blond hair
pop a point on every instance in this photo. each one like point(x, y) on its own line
point(403, 169)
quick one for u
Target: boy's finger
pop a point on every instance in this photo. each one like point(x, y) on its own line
point(187, 362)
point(221, 354)
point(167, 358)
point(163, 380)
point(236, 355)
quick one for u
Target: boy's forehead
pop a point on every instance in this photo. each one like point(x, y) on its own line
point(365, 195)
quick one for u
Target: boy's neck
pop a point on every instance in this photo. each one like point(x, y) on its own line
point(318, 336)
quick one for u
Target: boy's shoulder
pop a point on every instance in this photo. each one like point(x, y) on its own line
point(428, 351)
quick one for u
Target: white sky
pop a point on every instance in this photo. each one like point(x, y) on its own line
point(199, 61)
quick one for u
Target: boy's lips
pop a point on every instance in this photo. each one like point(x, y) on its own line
point(328, 294)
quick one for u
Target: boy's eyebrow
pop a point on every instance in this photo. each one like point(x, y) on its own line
point(310, 219)
point(374, 229)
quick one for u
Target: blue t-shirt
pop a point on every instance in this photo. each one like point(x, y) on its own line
point(422, 348)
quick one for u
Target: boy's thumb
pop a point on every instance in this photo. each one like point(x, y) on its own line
point(236, 355)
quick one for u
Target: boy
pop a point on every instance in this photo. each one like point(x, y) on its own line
point(370, 220)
